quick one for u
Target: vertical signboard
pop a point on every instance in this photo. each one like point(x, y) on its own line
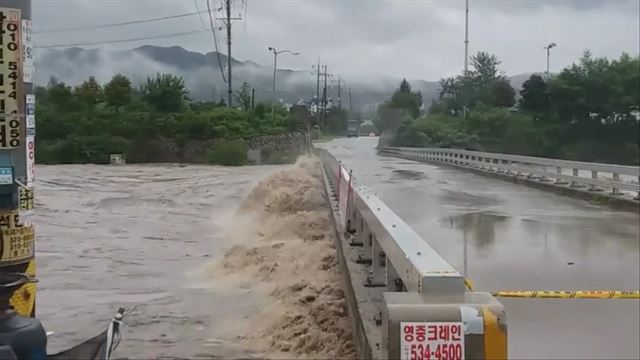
point(30, 100)
point(30, 142)
point(9, 78)
point(17, 135)
point(28, 54)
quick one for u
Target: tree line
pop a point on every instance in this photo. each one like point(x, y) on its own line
point(88, 122)
point(590, 111)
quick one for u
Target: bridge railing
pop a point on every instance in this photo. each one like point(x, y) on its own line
point(617, 179)
point(422, 290)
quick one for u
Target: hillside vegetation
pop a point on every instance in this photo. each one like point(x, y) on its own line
point(588, 112)
point(156, 122)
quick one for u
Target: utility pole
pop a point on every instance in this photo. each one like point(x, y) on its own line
point(318, 86)
point(228, 23)
point(17, 152)
point(339, 93)
point(350, 108)
point(324, 98)
point(318, 71)
point(253, 98)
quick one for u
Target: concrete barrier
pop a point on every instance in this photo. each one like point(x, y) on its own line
point(405, 300)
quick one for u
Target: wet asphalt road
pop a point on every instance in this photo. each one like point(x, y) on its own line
point(519, 238)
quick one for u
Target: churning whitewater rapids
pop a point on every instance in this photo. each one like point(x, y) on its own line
point(213, 262)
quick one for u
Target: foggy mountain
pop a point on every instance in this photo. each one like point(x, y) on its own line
point(201, 74)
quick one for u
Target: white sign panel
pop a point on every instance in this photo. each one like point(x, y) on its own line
point(28, 54)
point(6, 176)
point(431, 341)
point(31, 111)
point(25, 218)
point(31, 159)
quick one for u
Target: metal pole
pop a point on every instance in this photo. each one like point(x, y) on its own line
point(275, 64)
point(339, 94)
point(324, 99)
point(466, 38)
point(466, 53)
point(275, 60)
point(548, 54)
point(548, 48)
point(350, 108)
point(230, 91)
point(17, 153)
point(318, 89)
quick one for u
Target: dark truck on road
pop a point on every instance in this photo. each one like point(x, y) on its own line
point(353, 128)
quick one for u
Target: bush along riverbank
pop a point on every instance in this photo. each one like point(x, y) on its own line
point(157, 123)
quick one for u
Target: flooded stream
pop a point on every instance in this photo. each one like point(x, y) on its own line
point(142, 237)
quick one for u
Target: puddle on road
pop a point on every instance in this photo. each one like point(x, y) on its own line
point(481, 225)
point(462, 198)
point(409, 174)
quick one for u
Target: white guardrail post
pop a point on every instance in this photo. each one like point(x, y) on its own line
point(428, 312)
point(618, 180)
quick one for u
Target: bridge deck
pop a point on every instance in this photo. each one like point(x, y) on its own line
point(519, 238)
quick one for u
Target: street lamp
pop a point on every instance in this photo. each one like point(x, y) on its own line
point(548, 48)
point(275, 63)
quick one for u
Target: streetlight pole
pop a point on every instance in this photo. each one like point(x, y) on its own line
point(275, 63)
point(466, 37)
point(466, 53)
point(548, 48)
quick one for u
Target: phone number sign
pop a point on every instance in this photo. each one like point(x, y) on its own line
point(431, 341)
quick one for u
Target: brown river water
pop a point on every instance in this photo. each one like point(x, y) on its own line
point(211, 262)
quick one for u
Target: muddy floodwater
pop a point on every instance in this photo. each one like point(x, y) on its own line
point(139, 237)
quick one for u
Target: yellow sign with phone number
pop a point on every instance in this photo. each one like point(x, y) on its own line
point(16, 241)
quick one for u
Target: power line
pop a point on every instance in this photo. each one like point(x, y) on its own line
point(215, 40)
point(102, 26)
point(195, 2)
point(123, 40)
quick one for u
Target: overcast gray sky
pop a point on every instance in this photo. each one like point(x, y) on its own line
point(413, 38)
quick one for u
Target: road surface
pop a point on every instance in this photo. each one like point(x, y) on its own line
point(519, 238)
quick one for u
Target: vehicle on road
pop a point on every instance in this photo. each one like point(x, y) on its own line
point(353, 128)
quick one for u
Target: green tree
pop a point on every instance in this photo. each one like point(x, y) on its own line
point(166, 93)
point(118, 92)
point(403, 101)
point(89, 92)
point(243, 96)
point(61, 96)
point(483, 84)
point(405, 98)
point(485, 69)
point(535, 96)
point(503, 95)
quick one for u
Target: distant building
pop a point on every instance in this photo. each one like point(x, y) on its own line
point(314, 104)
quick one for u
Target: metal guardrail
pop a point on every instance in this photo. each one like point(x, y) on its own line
point(543, 169)
point(423, 290)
